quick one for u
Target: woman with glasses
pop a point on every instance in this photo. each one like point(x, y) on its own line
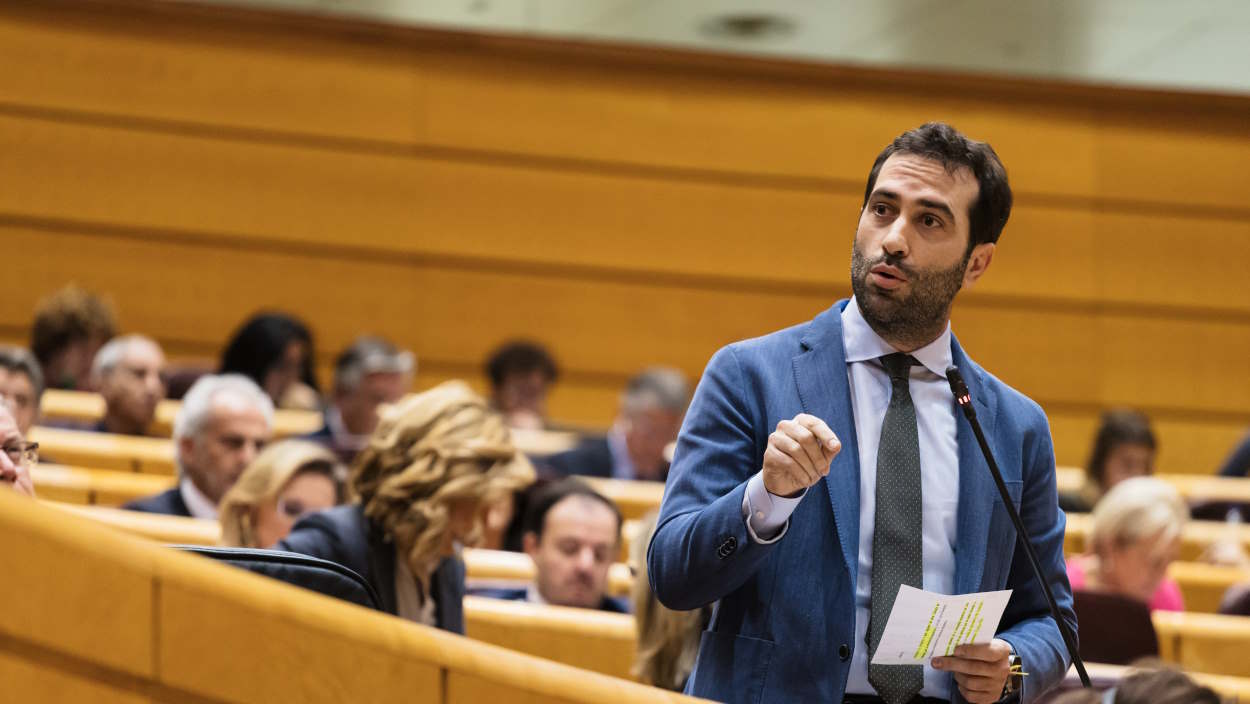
point(287, 480)
point(16, 456)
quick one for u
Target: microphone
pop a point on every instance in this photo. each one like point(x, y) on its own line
point(964, 399)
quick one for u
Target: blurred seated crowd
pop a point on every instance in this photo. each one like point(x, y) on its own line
point(394, 483)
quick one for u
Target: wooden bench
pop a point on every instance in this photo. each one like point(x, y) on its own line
point(1195, 539)
point(635, 498)
point(594, 640)
point(1203, 586)
point(87, 408)
point(1102, 675)
point(104, 487)
point(95, 615)
point(1194, 488)
point(1208, 643)
point(152, 455)
point(84, 448)
point(485, 568)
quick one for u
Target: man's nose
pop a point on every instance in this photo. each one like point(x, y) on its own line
point(586, 559)
point(895, 241)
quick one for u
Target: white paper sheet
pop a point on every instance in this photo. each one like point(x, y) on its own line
point(923, 625)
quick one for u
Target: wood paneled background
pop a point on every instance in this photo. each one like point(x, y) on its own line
point(627, 207)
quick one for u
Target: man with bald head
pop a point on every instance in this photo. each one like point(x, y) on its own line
point(129, 372)
point(224, 422)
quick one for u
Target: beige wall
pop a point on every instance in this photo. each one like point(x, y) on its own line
point(626, 207)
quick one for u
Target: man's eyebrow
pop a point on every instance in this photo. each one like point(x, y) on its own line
point(882, 193)
point(938, 205)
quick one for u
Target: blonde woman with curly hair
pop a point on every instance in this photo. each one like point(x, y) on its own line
point(668, 640)
point(287, 481)
point(432, 469)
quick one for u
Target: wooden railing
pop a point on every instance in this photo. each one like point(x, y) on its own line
point(95, 615)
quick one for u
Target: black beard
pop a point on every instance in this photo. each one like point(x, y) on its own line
point(912, 320)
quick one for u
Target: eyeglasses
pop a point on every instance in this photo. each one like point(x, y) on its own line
point(23, 454)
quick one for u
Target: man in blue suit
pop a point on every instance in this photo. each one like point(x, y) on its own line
point(823, 466)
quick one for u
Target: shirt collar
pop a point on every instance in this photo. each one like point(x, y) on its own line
point(197, 503)
point(863, 344)
point(533, 597)
point(622, 465)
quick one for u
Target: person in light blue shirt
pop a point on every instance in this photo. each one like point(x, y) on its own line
point(821, 467)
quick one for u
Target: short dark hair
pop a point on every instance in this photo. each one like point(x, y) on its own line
point(520, 357)
point(1118, 427)
point(547, 496)
point(939, 141)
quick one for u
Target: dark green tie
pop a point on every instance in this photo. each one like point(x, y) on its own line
point(896, 540)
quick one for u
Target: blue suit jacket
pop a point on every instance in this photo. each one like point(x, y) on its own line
point(784, 626)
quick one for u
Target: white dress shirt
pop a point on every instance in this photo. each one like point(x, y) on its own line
point(939, 470)
point(197, 503)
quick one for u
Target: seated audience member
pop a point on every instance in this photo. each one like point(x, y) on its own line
point(573, 535)
point(1135, 537)
point(1238, 462)
point(368, 374)
point(1159, 684)
point(521, 373)
point(70, 327)
point(668, 641)
point(1124, 447)
point(288, 480)
point(224, 422)
point(433, 466)
point(21, 385)
point(650, 415)
point(17, 456)
point(129, 373)
point(275, 351)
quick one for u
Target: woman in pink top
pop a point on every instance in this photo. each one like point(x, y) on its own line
point(1135, 537)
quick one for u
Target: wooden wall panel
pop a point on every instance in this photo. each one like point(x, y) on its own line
point(626, 207)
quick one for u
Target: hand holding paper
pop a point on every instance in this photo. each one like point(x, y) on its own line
point(923, 625)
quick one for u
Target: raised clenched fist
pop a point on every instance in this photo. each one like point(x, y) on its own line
point(798, 455)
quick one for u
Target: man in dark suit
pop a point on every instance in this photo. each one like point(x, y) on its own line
point(652, 407)
point(573, 534)
point(369, 373)
point(823, 466)
point(223, 422)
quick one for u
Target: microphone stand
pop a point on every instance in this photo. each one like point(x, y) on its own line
point(960, 389)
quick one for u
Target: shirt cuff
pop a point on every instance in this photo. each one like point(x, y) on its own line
point(767, 516)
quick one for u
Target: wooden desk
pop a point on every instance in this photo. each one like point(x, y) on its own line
point(502, 569)
point(174, 530)
point(86, 407)
point(96, 615)
point(1194, 540)
point(105, 487)
point(1193, 487)
point(1203, 586)
point(1207, 643)
point(635, 498)
point(593, 640)
point(105, 451)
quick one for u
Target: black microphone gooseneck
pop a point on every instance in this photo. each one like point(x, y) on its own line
point(960, 389)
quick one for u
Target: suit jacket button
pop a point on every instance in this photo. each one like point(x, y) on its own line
point(844, 652)
point(727, 547)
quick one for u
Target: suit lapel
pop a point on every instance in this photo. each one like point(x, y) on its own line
point(977, 493)
point(820, 374)
point(382, 564)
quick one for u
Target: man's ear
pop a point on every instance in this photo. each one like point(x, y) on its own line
point(529, 543)
point(978, 263)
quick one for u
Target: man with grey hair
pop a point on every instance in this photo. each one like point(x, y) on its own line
point(369, 373)
point(224, 421)
point(651, 411)
point(129, 372)
point(21, 385)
